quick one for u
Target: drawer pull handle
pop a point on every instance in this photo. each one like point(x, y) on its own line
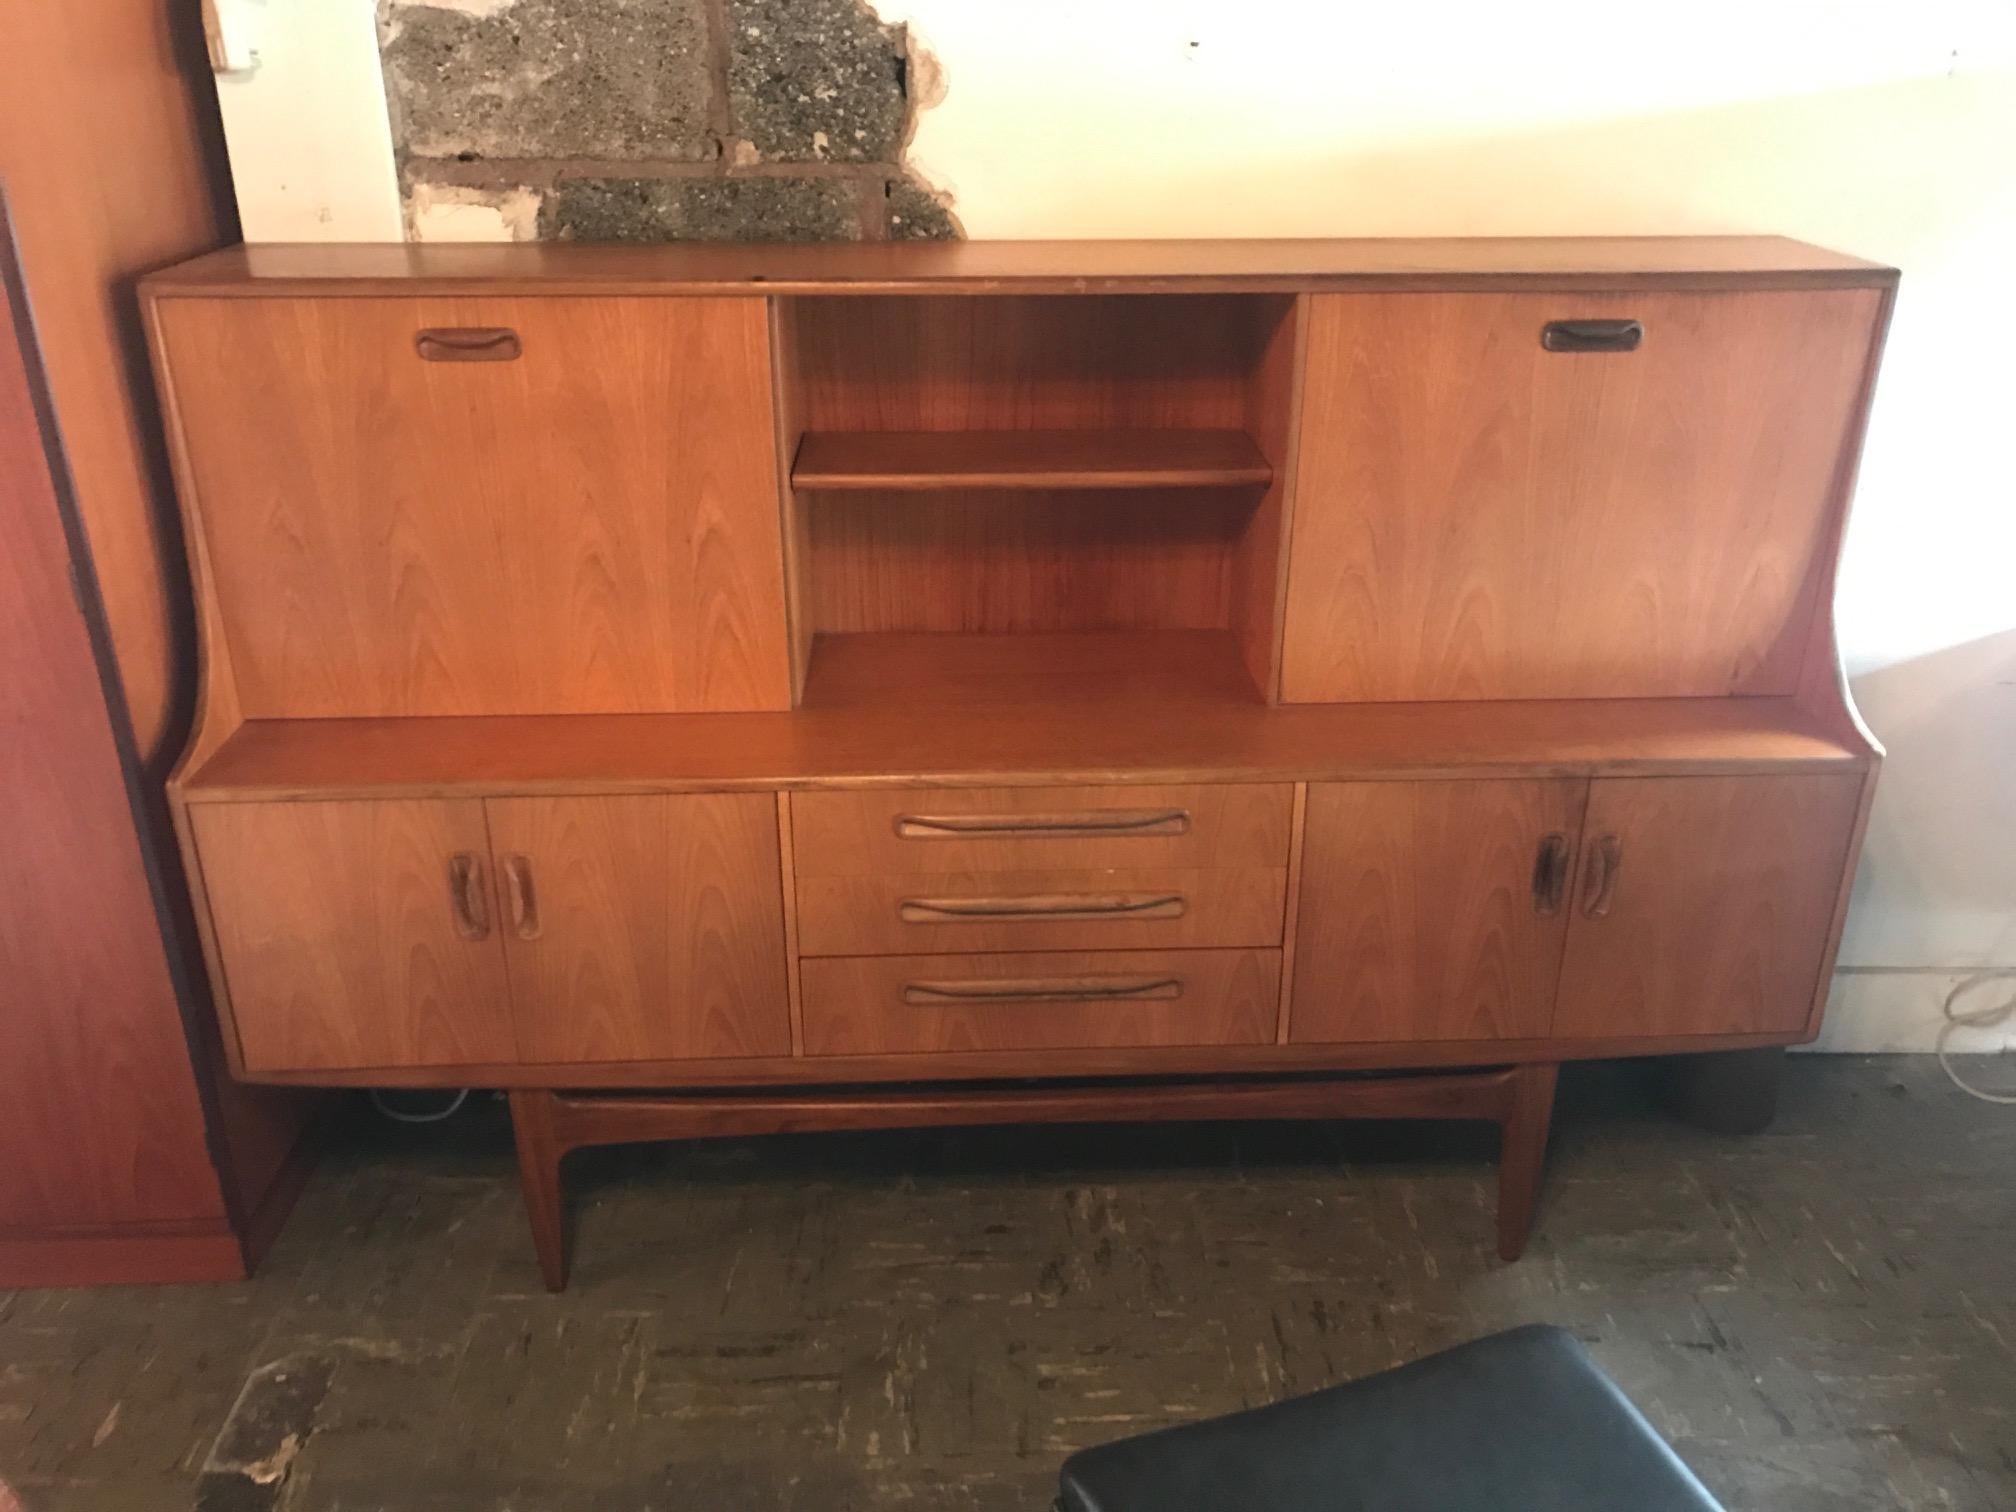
point(1599, 878)
point(468, 896)
point(468, 344)
point(1077, 989)
point(1592, 335)
point(521, 898)
point(1550, 875)
point(1044, 906)
point(1035, 826)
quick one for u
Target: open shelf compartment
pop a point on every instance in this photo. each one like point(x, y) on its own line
point(1088, 459)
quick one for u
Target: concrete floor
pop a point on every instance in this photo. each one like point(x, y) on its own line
point(1823, 1316)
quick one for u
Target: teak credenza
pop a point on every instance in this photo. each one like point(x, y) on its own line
point(713, 690)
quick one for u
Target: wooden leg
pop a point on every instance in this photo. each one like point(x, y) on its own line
point(534, 1127)
point(1522, 1153)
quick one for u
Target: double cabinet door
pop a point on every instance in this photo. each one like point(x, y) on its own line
point(473, 932)
point(1619, 908)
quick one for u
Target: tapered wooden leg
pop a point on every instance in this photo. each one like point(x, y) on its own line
point(539, 1153)
point(1522, 1153)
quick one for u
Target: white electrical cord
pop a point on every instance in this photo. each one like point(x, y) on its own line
point(454, 1107)
point(1977, 1018)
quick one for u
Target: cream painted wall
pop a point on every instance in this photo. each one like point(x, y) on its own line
point(1888, 130)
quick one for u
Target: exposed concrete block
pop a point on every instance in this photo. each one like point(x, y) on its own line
point(455, 212)
point(624, 79)
point(815, 81)
point(702, 209)
point(919, 214)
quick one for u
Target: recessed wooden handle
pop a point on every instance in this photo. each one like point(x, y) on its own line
point(520, 897)
point(468, 344)
point(1070, 989)
point(1037, 826)
point(1592, 335)
point(1599, 876)
point(468, 897)
point(1550, 875)
point(1044, 906)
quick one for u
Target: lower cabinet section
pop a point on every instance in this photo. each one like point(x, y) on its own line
point(643, 928)
point(1432, 910)
point(1654, 908)
point(895, 1005)
point(441, 932)
point(356, 935)
point(1704, 904)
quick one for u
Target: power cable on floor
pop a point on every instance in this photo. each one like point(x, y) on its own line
point(1975, 1018)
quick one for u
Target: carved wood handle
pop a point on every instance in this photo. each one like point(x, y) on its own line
point(1592, 335)
point(1034, 826)
point(1069, 989)
point(1599, 877)
point(1044, 906)
point(1550, 874)
point(520, 897)
point(468, 344)
point(468, 897)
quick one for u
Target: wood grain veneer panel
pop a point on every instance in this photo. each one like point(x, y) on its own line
point(928, 912)
point(590, 527)
point(1093, 731)
point(1012, 563)
point(101, 1122)
point(337, 929)
point(1075, 459)
point(1418, 919)
point(905, 1005)
point(1479, 518)
point(659, 930)
point(920, 830)
point(1720, 911)
point(1063, 267)
point(1038, 364)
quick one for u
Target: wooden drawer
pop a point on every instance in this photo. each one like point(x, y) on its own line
point(930, 913)
point(943, 830)
point(897, 1005)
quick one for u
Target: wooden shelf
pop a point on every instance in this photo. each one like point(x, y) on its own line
point(1030, 459)
point(882, 710)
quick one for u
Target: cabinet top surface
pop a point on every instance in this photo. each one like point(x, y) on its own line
point(1024, 267)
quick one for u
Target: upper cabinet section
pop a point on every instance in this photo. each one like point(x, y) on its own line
point(451, 506)
point(1568, 495)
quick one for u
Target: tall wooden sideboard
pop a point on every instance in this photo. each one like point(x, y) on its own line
point(725, 689)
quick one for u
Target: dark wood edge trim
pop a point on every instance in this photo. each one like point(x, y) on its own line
point(175, 285)
point(199, 791)
point(583, 1120)
point(1049, 1065)
point(1298, 819)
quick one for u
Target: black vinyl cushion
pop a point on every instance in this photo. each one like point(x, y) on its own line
point(1522, 1421)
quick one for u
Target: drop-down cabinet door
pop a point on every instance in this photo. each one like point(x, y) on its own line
point(1704, 905)
point(1432, 910)
point(643, 927)
point(1567, 494)
point(356, 935)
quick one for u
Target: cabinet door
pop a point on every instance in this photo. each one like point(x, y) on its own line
point(356, 935)
point(1704, 904)
point(585, 521)
point(1478, 517)
point(643, 928)
point(1432, 910)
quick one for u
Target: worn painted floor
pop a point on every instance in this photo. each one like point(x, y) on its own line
point(1823, 1316)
